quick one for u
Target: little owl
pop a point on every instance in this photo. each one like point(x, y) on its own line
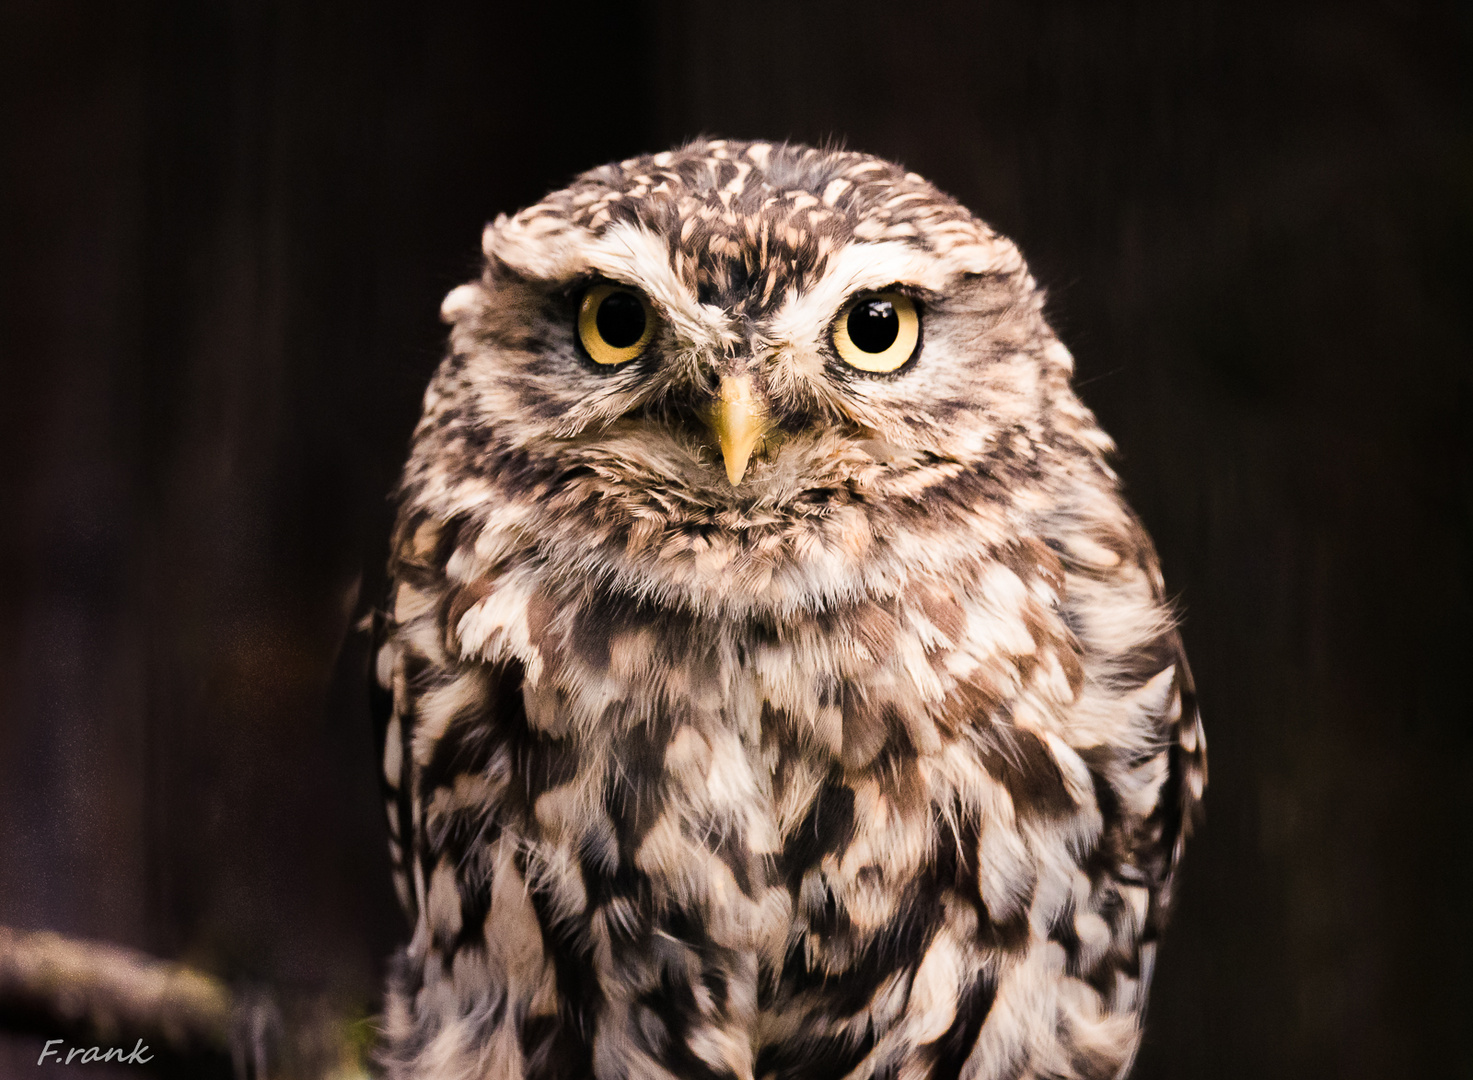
point(775, 684)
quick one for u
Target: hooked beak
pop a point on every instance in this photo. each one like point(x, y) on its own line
point(739, 421)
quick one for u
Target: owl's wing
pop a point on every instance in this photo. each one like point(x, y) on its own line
point(1150, 799)
point(1149, 775)
point(1179, 804)
point(433, 710)
point(462, 771)
point(388, 724)
point(409, 652)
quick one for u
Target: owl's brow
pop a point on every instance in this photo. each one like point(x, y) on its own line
point(638, 256)
point(859, 267)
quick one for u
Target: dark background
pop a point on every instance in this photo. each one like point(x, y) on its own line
point(226, 231)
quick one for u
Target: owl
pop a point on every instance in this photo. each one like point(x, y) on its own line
point(775, 684)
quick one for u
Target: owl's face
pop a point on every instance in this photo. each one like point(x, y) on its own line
point(735, 371)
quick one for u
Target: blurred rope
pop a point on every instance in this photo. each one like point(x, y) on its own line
point(115, 991)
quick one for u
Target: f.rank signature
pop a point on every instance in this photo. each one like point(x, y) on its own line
point(87, 1055)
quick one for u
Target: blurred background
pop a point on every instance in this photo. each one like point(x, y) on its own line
point(227, 227)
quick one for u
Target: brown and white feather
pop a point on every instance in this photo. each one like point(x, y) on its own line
point(875, 765)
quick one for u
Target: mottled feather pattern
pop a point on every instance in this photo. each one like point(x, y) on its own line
point(875, 765)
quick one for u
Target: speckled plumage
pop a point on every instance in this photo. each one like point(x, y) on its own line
point(876, 764)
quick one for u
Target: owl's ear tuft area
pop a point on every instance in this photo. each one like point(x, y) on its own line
point(488, 235)
point(461, 301)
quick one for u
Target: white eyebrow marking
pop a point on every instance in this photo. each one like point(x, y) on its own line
point(804, 316)
point(632, 254)
point(626, 252)
point(861, 264)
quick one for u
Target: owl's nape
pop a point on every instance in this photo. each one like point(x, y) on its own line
point(779, 686)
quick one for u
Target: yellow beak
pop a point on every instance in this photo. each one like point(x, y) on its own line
point(739, 421)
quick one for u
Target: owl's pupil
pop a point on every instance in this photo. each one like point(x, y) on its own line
point(620, 319)
point(873, 325)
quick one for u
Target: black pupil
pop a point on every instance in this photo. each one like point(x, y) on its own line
point(620, 319)
point(873, 325)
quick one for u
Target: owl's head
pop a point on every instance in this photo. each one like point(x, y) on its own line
point(749, 374)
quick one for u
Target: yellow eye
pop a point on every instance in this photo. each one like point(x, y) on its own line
point(877, 332)
point(615, 323)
